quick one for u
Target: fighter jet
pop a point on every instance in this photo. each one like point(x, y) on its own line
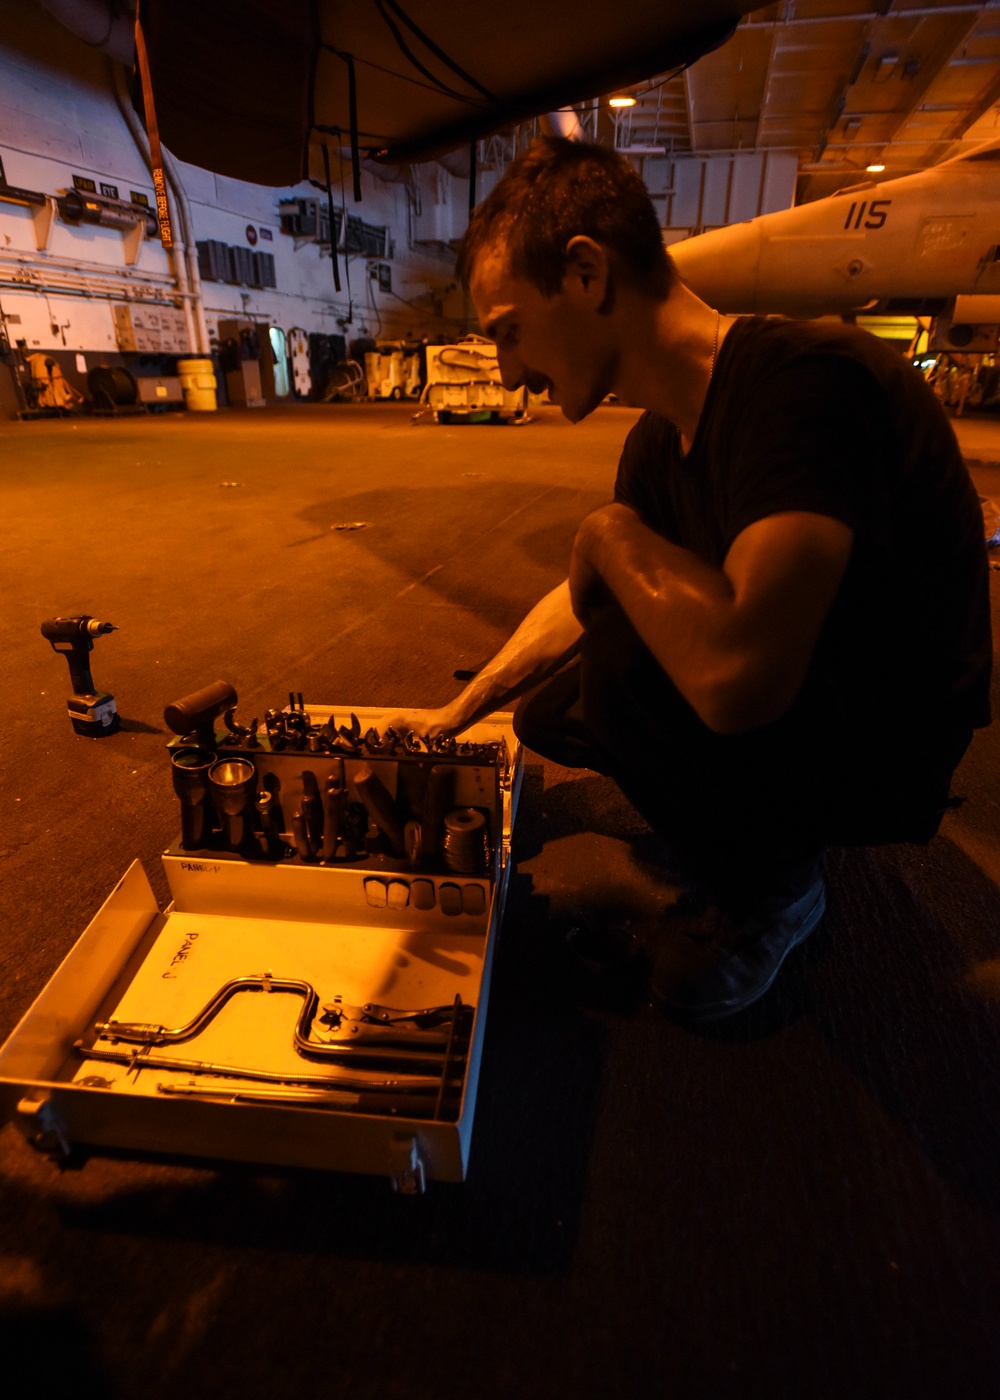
point(927, 243)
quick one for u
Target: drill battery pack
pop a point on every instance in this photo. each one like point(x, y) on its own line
point(94, 715)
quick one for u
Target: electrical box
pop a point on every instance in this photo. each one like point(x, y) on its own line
point(305, 219)
point(150, 330)
point(161, 391)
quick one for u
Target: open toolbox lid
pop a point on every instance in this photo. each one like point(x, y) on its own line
point(221, 1032)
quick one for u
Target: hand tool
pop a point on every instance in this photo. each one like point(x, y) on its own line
point(438, 801)
point(300, 832)
point(370, 1024)
point(411, 1103)
point(196, 714)
point(333, 806)
point(465, 842)
point(189, 773)
point(342, 743)
point(233, 783)
point(352, 733)
point(311, 807)
point(91, 712)
point(274, 723)
point(267, 812)
point(365, 1032)
point(354, 828)
point(413, 837)
point(238, 731)
point(380, 807)
point(449, 1053)
point(296, 727)
point(142, 1059)
point(411, 788)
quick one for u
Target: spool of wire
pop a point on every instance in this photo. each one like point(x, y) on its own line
point(466, 851)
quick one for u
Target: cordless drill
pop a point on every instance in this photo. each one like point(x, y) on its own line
point(92, 712)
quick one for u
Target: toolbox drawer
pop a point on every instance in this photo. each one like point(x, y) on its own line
point(270, 1075)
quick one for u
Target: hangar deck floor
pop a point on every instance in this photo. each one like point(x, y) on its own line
point(802, 1203)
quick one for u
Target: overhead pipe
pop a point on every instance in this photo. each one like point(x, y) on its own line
point(189, 252)
point(185, 257)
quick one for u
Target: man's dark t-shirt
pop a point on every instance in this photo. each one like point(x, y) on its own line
point(827, 419)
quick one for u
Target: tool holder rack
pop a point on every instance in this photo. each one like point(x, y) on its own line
point(480, 780)
point(367, 931)
point(479, 776)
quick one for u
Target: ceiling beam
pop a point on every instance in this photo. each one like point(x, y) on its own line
point(944, 147)
point(865, 16)
point(689, 108)
point(767, 75)
point(920, 89)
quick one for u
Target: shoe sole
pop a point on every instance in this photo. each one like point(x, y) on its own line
point(720, 1011)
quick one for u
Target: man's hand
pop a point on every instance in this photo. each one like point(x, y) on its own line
point(431, 724)
point(587, 588)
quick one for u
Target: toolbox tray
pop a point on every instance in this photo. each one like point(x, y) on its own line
point(272, 923)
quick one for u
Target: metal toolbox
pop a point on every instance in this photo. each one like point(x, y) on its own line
point(286, 1009)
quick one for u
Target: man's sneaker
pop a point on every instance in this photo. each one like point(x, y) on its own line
point(710, 966)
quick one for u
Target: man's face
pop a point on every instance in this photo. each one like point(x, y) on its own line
point(561, 343)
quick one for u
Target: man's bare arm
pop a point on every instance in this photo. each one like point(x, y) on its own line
point(736, 641)
point(547, 638)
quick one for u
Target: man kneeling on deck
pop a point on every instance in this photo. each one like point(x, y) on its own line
point(777, 637)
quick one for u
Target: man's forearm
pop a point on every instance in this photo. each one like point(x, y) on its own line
point(547, 638)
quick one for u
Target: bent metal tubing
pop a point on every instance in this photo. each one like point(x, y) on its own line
point(138, 1059)
point(150, 1034)
point(407, 1102)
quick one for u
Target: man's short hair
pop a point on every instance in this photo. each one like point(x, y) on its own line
point(552, 192)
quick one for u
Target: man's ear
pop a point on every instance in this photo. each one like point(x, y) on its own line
point(587, 269)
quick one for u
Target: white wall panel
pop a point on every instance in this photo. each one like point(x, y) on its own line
point(36, 134)
point(745, 191)
point(254, 202)
point(779, 182)
point(656, 173)
point(685, 206)
point(711, 191)
point(104, 150)
point(715, 193)
point(199, 184)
